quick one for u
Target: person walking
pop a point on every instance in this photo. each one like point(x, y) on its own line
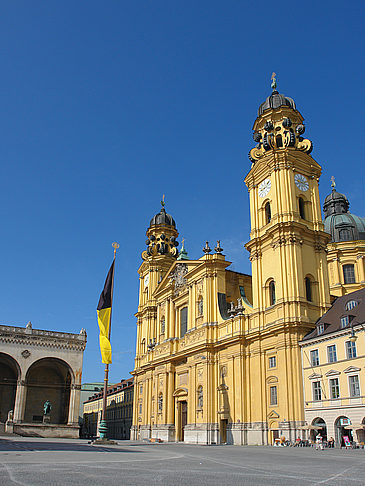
point(319, 442)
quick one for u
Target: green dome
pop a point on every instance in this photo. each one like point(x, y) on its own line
point(339, 222)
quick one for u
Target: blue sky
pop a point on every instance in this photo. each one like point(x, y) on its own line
point(105, 106)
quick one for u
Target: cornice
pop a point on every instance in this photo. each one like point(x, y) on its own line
point(46, 339)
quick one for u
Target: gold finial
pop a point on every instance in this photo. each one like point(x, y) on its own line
point(115, 246)
point(273, 81)
point(333, 183)
point(163, 200)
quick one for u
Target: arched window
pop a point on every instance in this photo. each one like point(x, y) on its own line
point(351, 304)
point(301, 208)
point(348, 274)
point(308, 289)
point(272, 293)
point(267, 213)
point(200, 397)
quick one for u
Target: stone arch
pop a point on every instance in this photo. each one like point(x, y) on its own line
point(322, 428)
point(48, 379)
point(340, 431)
point(10, 373)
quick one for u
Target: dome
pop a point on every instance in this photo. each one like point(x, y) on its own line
point(274, 101)
point(335, 203)
point(163, 218)
point(339, 222)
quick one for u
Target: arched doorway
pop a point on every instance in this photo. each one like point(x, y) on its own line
point(321, 428)
point(341, 432)
point(48, 379)
point(9, 374)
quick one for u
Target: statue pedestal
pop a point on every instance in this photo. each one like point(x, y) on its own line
point(46, 418)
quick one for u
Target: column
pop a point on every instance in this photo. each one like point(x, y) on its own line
point(20, 398)
point(74, 404)
point(170, 398)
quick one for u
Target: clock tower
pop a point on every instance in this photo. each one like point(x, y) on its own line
point(288, 244)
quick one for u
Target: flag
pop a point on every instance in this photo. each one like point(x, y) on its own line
point(103, 311)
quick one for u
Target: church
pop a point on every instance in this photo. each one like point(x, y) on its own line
point(217, 354)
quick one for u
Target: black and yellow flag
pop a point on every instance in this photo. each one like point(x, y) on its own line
point(103, 311)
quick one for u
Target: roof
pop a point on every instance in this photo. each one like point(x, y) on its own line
point(332, 318)
point(163, 218)
point(113, 389)
point(275, 100)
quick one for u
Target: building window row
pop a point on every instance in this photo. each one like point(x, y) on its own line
point(351, 352)
point(334, 388)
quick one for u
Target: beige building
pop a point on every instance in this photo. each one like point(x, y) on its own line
point(217, 353)
point(333, 357)
point(118, 412)
point(36, 366)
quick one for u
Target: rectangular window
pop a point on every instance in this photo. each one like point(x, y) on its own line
point(272, 362)
point(350, 349)
point(321, 329)
point(354, 386)
point(344, 321)
point(334, 388)
point(332, 355)
point(317, 391)
point(314, 357)
point(183, 321)
point(348, 274)
point(140, 408)
point(273, 395)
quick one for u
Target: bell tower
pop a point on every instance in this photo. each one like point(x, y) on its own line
point(160, 254)
point(288, 243)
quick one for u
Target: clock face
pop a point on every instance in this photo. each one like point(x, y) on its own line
point(264, 187)
point(146, 279)
point(301, 182)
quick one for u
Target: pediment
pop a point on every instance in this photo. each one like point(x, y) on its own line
point(180, 392)
point(273, 415)
point(351, 369)
point(333, 373)
point(314, 376)
point(272, 379)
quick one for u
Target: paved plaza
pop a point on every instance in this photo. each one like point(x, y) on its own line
point(52, 462)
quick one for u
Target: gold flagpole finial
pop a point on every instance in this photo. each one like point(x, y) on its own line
point(163, 200)
point(115, 245)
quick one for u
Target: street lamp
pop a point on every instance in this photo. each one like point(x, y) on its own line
point(353, 338)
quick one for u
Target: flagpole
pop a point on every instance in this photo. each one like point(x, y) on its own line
point(103, 428)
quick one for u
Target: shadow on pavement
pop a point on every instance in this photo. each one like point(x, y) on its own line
point(21, 445)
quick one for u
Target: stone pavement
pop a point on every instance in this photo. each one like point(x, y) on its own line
point(53, 462)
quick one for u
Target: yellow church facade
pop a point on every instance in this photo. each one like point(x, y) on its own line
point(217, 354)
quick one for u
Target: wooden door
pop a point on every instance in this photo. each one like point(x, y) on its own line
point(223, 431)
point(184, 417)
